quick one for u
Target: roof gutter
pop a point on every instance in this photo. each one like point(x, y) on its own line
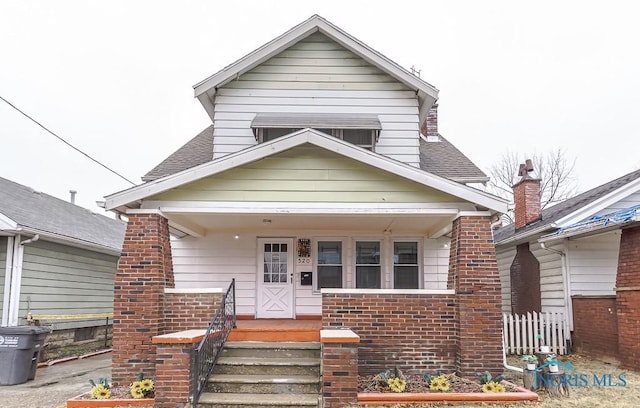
point(516, 237)
point(63, 239)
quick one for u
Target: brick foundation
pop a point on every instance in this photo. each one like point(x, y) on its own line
point(144, 270)
point(595, 325)
point(628, 298)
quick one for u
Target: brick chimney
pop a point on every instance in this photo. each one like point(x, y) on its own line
point(526, 196)
point(430, 125)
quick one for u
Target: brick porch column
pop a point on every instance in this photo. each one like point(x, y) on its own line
point(628, 298)
point(144, 270)
point(473, 273)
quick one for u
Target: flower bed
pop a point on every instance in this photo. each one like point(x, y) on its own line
point(120, 397)
point(417, 390)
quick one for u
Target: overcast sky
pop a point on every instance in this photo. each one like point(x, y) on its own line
point(115, 78)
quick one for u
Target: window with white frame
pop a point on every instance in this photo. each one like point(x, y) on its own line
point(365, 138)
point(329, 267)
point(368, 268)
point(406, 270)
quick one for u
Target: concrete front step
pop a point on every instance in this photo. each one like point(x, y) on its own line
point(264, 384)
point(268, 365)
point(219, 400)
point(271, 349)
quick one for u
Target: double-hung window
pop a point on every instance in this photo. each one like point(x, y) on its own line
point(368, 270)
point(329, 268)
point(406, 271)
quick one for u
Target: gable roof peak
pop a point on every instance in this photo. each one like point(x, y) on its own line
point(205, 90)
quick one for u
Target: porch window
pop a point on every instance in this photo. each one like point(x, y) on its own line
point(275, 263)
point(406, 272)
point(368, 265)
point(329, 269)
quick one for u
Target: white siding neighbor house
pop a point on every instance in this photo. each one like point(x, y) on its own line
point(575, 248)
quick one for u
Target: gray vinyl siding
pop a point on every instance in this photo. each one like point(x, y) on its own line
point(505, 258)
point(317, 75)
point(593, 264)
point(3, 260)
point(63, 280)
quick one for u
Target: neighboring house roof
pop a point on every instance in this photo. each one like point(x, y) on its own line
point(205, 90)
point(131, 197)
point(23, 209)
point(445, 160)
point(572, 210)
point(440, 158)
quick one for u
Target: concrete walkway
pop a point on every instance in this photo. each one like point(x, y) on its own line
point(55, 384)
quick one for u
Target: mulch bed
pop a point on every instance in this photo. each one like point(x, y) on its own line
point(416, 383)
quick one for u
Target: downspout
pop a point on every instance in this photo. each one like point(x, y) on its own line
point(567, 284)
point(16, 278)
point(7, 280)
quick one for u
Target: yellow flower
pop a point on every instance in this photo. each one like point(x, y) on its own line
point(397, 384)
point(439, 383)
point(136, 389)
point(493, 386)
point(147, 385)
point(100, 392)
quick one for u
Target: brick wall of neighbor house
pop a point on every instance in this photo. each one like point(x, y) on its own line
point(144, 270)
point(628, 298)
point(186, 311)
point(595, 325)
point(525, 281)
point(415, 332)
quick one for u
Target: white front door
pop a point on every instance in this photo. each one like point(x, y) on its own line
point(275, 278)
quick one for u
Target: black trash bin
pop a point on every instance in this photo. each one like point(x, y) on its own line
point(19, 351)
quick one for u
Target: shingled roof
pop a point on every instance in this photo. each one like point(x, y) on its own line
point(440, 158)
point(443, 159)
point(560, 210)
point(47, 215)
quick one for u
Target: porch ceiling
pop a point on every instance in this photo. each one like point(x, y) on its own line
point(430, 225)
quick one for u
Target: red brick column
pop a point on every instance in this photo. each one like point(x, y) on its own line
point(339, 367)
point(174, 379)
point(628, 298)
point(473, 271)
point(144, 270)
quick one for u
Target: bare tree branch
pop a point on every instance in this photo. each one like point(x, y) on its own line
point(554, 169)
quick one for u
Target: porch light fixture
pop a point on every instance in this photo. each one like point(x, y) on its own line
point(266, 221)
point(236, 236)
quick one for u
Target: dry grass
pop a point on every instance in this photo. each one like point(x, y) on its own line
point(582, 397)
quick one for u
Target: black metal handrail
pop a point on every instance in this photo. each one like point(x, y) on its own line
point(211, 345)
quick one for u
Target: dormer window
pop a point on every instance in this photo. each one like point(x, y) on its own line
point(358, 129)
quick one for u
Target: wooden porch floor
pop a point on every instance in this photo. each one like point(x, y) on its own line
point(276, 330)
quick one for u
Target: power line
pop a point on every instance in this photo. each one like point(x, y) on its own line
point(67, 143)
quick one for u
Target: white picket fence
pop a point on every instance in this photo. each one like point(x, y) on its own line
point(524, 334)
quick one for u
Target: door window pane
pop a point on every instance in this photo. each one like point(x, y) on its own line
point(275, 263)
point(368, 265)
point(406, 273)
point(329, 264)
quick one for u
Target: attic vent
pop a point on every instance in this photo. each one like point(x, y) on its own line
point(433, 138)
point(316, 121)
